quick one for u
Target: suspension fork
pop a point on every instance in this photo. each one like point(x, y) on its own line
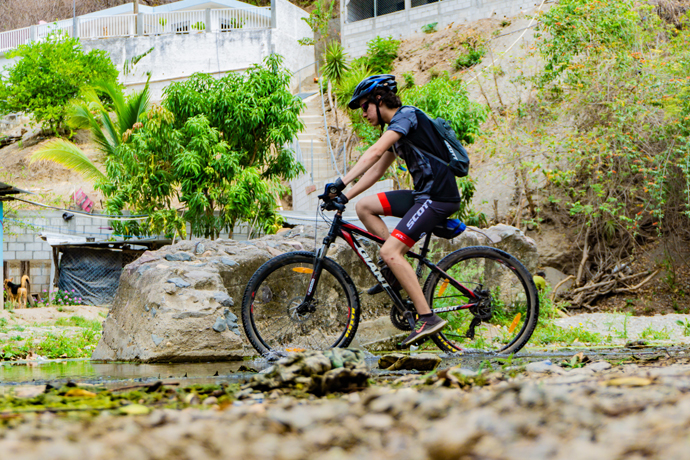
point(320, 254)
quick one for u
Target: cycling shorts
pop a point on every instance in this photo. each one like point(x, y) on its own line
point(417, 218)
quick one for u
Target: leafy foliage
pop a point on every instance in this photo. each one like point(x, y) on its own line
point(472, 56)
point(409, 80)
point(218, 146)
point(447, 98)
point(48, 75)
point(318, 21)
point(611, 116)
point(429, 28)
point(335, 58)
point(346, 87)
point(89, 112)
point(381, 52)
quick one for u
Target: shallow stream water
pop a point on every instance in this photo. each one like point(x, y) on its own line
point(114, 375)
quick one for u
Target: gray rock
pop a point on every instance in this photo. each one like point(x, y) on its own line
point(541, 367)
point(178, 257)
point(316, 372)
point(220, 325)
point(231, 321)
point(228, 261)
point(420, 362)
point(599, 366)
point(224, 299)
point(200, 248)
point(156, 340)
point(179, 282)
point(211, 400)
point(185, 294)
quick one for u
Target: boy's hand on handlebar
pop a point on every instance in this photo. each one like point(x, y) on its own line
point(338, 204)
point(332, 189)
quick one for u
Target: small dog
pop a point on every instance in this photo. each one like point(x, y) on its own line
point(18, 294)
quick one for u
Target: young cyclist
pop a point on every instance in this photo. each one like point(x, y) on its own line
point(434, 198)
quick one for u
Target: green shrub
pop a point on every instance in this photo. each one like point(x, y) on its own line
point(217, 146)
point(48, 75)
point(335, 58)
point(347, 85)
point(448, 98)
point(408, 78)
point(429, 28)
point(472, 56)
point(381, 52)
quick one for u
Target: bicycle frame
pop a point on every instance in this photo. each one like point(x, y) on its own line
point(347, 231)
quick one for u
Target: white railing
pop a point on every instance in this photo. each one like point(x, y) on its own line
point(234, 18)
point(14, 38)
point(182, 22)
point(64, 27)
point(124, 25)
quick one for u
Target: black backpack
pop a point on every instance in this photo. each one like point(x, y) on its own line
point(459, 163)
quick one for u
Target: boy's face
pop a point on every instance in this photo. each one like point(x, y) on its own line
point(368, 111)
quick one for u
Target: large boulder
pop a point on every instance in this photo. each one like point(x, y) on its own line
point(183, 302)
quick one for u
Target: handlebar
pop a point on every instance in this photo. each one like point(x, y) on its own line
point(339, 207)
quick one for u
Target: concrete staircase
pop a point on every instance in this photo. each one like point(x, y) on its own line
point(316, 158)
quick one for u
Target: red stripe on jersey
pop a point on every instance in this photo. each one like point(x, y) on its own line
point(386, 205)
point(404, 238)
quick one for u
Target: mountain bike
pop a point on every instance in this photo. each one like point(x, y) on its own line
point(304, 300)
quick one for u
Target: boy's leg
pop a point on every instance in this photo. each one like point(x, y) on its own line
point(393, 253)
point(369, 210)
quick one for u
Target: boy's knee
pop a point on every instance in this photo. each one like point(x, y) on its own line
point(388, 253)
point(362, 209)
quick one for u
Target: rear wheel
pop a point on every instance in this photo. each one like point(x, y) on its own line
point(502, 317)
point(277, 320)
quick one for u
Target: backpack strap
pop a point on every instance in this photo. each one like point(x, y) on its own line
point(429, 154)
point(410, 141)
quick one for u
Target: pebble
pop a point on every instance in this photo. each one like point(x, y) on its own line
point(178, 257)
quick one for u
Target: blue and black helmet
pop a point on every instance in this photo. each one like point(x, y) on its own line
point(369, 84)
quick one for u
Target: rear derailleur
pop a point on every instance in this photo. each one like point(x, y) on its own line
point(482, 311)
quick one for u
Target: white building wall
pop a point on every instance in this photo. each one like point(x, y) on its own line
point(401, 24)
point(177, 56)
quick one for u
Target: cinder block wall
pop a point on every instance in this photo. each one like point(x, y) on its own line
point(22, 242)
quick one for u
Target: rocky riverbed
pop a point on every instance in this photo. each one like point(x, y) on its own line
point(597, 410)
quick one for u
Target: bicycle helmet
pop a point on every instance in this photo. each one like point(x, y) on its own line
point(369, 84)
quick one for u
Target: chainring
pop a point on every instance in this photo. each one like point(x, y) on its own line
point(398, 320)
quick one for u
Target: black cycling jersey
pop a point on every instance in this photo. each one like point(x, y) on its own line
point(432, 179)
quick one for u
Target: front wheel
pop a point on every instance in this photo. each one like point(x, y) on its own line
point(275, 317)
point(501, 314)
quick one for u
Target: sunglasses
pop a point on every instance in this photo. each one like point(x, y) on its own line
point(365, 106)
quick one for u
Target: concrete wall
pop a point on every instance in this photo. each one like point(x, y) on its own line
point(355, 35)
point(177, 56)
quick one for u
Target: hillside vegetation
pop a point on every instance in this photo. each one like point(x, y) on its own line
point(610, 107)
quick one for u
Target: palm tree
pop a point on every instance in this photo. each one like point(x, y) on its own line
point(90, 112)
